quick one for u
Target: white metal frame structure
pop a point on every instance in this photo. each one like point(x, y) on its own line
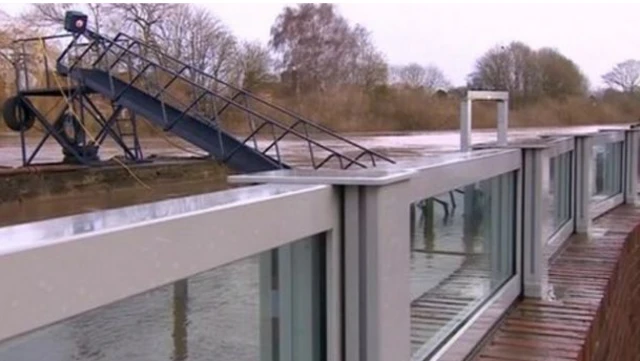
point(562, 151)
point(615, 167)
point(540, 241)
point(440, 178)
point(376, 207)
point(502, 99)
point(75, 264)
point(103, 257)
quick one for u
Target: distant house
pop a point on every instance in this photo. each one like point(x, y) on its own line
point(441, 93)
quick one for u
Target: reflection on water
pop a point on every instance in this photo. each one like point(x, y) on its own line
point(557, 187)
point(461, 251)
point(606, 171)
point(216, 315)
point(212, 316)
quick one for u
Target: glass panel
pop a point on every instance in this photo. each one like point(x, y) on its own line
point(607, 171)
point(463, 245)
point(559, 192)
point(268, 307)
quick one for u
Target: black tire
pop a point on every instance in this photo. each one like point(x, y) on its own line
point(60, 129)
point(17, 113)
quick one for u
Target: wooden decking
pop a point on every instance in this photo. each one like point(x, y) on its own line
point(441, 308)
point(557, 328)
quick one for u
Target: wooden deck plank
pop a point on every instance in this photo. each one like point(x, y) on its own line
point(442, 306)
point(580, 274)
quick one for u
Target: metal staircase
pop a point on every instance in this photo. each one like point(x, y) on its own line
point(202, 109)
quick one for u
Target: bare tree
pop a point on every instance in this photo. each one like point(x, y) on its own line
point(371, 69)
point(527, 74)
point(99, 18)
point(365, 66)
point(625, 76)
point(435, 79)
point(510, 68)
point(47, 15)
point(29, 57)
point(199, 39)
point(558, 75)
point(144, 20)
point(320, 48)
point(254, 64)
point(415, 76)
point(411, 76)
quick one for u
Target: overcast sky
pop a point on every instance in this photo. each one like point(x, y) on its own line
point(452, 36)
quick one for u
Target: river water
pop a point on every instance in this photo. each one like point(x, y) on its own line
point(219, 319)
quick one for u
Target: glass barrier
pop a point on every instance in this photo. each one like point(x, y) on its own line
point(607, 175)
point(268, 307)
point(462, 251)
point(559, 193)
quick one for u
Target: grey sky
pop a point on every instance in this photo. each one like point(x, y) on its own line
point(452, 36)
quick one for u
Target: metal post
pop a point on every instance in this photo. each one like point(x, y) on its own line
point(492, 233)
point(584, 151)
point(305, 305)
point(534, 203)
point(377, 293)
point(291, 304)
point(387, 273)
point(354, 322)
point(466, 117)
point(503, 122)
point(268, 303)
point(631, 166)
point(465, 125)
point(180, 319)
point(470, 203)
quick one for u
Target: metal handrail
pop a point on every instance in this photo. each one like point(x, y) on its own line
point(262, 101)
point(111, 43)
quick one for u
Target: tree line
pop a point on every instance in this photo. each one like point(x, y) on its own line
point(316, 58)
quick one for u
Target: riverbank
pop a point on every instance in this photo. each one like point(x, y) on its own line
point(51, 182)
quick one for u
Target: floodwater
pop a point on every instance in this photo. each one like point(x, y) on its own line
point(216, 316)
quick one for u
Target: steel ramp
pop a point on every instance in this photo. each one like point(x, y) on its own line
point(98, 62)
point(205, 136)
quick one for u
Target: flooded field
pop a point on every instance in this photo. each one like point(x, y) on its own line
point(218, 318)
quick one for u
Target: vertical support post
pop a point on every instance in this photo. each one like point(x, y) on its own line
point(377, 292)
point(470, 217)
point(305, 306)
point(470, 225)
point(610, 163)
point(465, 125)
point(180, 330)
point(631, 166)
point(354, 321)
point(503, 122)
point(543, 198)
point(534, 204)
point(268, 307)
point(493, 233)
point(428, 213)
point(291, 306)
point(584, 151)
point(387, 288)
point(285, 304)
